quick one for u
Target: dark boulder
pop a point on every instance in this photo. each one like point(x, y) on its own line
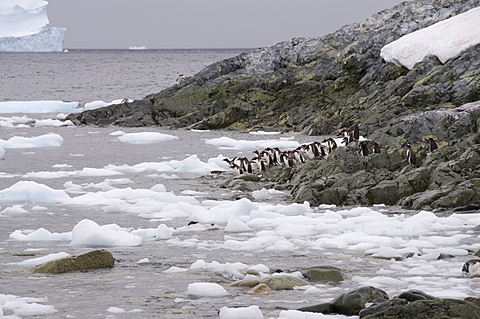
point(429, 309)
point(349, 303)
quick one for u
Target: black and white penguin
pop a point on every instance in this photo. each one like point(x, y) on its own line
point(181, 79)
point(356, 133)
point(364, 151)
point(432, 144)
point(470, 267)
point(376, 148)
point(245, 165)
point(411, 156)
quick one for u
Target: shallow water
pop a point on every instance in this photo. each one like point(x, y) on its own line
point(131, 285)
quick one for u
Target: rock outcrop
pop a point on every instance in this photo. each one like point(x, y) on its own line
point(91, 260)
point(407, 305)
point(314, 85)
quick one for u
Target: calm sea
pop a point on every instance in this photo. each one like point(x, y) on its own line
point(92, 75)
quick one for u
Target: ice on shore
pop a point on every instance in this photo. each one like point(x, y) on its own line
point(445, 40)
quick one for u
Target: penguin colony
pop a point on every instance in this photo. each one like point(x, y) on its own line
point(302, 154)
point(315, 150)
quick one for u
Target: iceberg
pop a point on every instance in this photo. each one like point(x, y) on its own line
point(23, 27)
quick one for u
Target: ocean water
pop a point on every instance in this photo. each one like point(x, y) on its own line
point(91, 75)
point(367, 243)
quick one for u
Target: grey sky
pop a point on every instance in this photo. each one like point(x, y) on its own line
point(165, 24)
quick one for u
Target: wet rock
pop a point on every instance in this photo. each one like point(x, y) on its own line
point(473, 300)
point(430, 309)
point(283, 282)
point(324, 274)
point(350, 303)
point(414, 295)
point(245, 283)
point(379, 307)
point(91, 260)
point(260, 289)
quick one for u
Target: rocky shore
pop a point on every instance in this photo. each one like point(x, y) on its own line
point(319, 86)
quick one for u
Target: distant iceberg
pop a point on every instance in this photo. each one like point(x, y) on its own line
point(23, 27)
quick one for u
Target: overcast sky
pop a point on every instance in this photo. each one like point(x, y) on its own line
point(168, 24)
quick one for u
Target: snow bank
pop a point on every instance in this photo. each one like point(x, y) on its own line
point(445, 40)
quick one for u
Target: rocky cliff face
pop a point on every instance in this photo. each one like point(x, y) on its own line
point(318, 86)
point(315, 85)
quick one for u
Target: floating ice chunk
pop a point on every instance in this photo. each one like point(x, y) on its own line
point(37, 107)
point(15, 209)
point(40, 234)
point(143, 261)
point(40, 260)
point(26, 307)
point(145, 137)
point(206, 289)
point(115, 310)
point(163, 232)
point(252, 312)
point(174, 269)
point(47, 140)
point(90, 234)
point(86, 171)
point(199, 264)
point(236, 225)
point(27, 191)
point(52, 122)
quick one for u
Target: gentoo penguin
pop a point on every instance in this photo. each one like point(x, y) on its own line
point(364, 151)
point(181, 79)
point(356, 133)
point(376, 148)
point(432, 144)
point(411, 156)
point(470, 267)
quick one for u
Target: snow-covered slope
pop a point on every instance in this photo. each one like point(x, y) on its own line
point(445, 40)
point(23, 27)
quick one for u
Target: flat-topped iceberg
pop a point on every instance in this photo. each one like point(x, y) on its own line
point(23, 27)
